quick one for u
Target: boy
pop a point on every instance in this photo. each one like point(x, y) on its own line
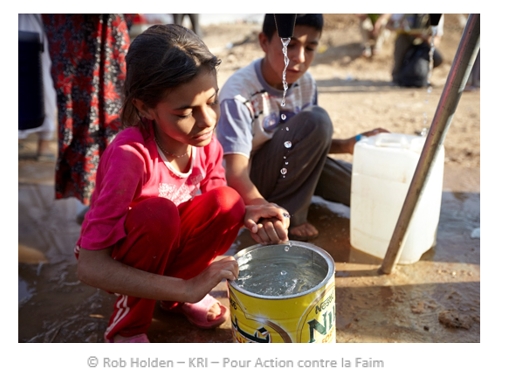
point(276, 152)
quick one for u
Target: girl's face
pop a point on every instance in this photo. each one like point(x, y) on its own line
point(188, 114)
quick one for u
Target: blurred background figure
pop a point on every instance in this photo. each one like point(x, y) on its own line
point(474, 82)
point(194, 20)
point(45, 132)
point(140, 22)
point(412, 48)
point(88, 68)
point(373, 32)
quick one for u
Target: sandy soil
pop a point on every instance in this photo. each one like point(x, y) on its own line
point(435, 300)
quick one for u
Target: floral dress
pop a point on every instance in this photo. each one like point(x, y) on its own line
point(88, 69)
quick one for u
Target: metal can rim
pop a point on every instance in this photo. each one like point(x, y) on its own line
point(323, 253)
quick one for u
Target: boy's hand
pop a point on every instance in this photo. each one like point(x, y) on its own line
point(375, 131)
point(267, 223)
point(370, 133)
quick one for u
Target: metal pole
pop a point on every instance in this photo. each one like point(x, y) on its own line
point(455, 84)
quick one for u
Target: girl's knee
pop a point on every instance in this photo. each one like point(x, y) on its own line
point(227, 201)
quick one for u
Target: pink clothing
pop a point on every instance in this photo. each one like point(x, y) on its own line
point(132, 170)
point(173, 241)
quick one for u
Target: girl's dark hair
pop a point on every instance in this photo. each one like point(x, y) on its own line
point(313, 20)
point(161, 58)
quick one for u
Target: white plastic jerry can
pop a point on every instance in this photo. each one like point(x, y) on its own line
point(382, 170)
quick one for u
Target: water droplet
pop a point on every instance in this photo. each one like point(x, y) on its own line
point(285, 157)
point(286, 163)
point(283, 273)
point(287, 144)
point(287, 128)
point(283, 171)
point(286, 248)
point(283, 116)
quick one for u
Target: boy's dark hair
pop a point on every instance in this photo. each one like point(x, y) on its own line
point(161, 58)
point(313, 20)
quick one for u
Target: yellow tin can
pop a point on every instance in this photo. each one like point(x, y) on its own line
point(298, 308)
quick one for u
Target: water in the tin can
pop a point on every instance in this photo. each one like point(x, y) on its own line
point(279, 277)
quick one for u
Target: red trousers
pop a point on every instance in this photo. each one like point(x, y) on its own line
point(179, 241)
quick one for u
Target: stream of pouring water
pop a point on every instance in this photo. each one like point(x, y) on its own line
point(285, 43)
point(287, 144)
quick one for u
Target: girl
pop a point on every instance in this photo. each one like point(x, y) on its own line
point(161, 211)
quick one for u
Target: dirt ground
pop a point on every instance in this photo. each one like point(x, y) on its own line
point(434, 300)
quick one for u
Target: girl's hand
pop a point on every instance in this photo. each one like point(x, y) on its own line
point(267, 223)
point(202, 284)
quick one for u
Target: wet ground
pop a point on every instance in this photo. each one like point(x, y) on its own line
point(434, 300)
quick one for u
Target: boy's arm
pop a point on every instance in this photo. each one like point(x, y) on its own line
point(267, 222)
point(238, 177)
point(346, 146)
point(342, 146)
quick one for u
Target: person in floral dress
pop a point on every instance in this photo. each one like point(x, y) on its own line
point(88, 69)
